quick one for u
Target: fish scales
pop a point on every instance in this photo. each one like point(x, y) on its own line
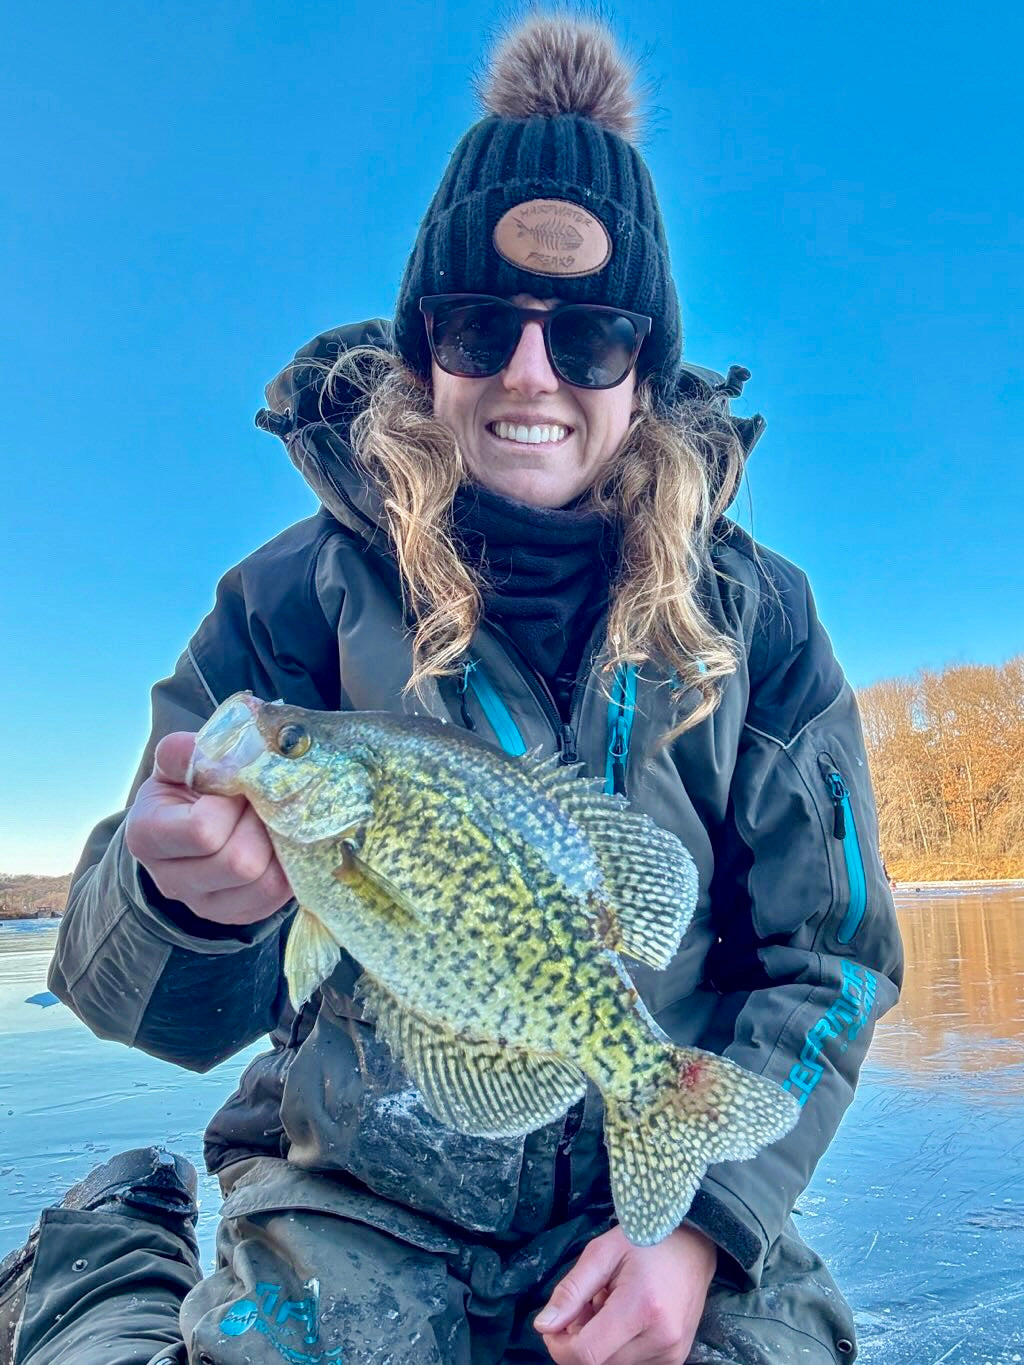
point(493, 904)
point(520, 923)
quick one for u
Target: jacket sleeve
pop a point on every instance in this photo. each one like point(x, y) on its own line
point(809, 952)
point(144, 970)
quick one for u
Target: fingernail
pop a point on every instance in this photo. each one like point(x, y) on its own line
point(546, 1318)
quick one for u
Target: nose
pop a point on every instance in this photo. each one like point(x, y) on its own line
point(529, 371)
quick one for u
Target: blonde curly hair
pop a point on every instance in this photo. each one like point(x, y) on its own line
point(676, 472)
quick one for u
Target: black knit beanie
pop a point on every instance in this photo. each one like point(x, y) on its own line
point(548, 196)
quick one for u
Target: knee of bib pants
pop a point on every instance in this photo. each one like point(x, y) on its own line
point(105, 1289)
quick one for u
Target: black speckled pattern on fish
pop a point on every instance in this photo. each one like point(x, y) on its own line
point(493, 904)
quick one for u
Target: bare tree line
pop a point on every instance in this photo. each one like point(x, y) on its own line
point(27, 897)
point(947, 759)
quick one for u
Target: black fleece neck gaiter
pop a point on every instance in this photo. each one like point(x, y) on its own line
point(546, 573)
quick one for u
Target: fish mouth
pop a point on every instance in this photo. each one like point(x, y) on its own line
point(226, 745)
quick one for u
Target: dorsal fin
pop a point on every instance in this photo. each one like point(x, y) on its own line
point(650, 878)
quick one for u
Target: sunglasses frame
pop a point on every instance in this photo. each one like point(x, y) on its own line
point(641, 323)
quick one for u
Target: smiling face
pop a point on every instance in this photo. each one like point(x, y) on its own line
point(526, 434)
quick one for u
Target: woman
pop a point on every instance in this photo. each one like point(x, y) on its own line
point(523, 533)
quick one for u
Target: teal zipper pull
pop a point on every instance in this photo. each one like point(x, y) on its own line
point(844, 828)
point(839, 793)
point(621, 710)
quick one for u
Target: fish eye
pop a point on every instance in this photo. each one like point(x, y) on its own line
point(292, 741)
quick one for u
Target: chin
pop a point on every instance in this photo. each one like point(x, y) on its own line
point(537, 492)
point(534, 487)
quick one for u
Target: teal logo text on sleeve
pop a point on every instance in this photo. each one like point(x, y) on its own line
point(845, 1016)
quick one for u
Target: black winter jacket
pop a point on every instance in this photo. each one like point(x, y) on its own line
point(792, 954)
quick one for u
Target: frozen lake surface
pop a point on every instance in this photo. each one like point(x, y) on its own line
point(918, 1206)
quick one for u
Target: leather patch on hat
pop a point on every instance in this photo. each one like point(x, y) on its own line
point(552, 237)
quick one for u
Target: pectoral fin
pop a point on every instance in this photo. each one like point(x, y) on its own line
point(474, 1085)
point(374, 889)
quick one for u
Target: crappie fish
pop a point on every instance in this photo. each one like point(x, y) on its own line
point(491, 902)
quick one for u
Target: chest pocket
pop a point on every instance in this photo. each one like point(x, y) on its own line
point(349, 1107)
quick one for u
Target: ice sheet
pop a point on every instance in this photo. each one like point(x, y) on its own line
point(918, 1207)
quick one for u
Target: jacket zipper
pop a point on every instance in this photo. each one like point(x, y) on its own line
point(844, 828)
point(621, 710)
point(565, 734)
point(499, 718)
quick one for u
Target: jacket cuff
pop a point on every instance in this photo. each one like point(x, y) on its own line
point(175, 923)
point(734, 1228)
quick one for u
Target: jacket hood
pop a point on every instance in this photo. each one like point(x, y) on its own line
point(314, 425)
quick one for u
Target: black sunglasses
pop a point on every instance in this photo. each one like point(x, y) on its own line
point(589, 345)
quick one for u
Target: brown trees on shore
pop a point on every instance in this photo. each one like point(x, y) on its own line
point(26, 897)
point(947, 758)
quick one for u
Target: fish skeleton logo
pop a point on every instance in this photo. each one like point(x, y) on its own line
point(552, 237)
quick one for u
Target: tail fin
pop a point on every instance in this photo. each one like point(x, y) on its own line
point(310, 955)
point(704, 1109)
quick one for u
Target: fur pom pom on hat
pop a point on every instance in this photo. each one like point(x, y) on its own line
point(553, 66)
point(547, 195)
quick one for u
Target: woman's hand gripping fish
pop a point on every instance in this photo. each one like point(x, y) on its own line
point(490, 901)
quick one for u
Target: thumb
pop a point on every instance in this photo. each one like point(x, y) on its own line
point(172, 756)
point(590, 1274)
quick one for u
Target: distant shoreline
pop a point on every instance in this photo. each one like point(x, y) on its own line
point(965, 883)
point(28, 897)
point(31, 896)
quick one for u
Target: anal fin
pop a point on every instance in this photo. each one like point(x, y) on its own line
point(475, 1085)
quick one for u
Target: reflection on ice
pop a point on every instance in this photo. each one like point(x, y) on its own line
point(962, 1008)
point(918, 1206)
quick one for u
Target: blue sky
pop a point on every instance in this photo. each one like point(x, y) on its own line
point(192, 191)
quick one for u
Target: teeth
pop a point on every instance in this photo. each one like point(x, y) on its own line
point(532, 436)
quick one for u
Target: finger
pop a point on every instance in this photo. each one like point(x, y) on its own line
point(161, 827)
point(245, 860)
point(581, 1319)
point(590, 1274)
point(250, 904)
point(173, 755)
point(574, 1348)
point(586, 1313)
point(605, 1338)
point(232, 869)
point(245, 857)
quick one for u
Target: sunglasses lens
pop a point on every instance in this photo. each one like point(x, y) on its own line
point(591, 348)
point(474, 339)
